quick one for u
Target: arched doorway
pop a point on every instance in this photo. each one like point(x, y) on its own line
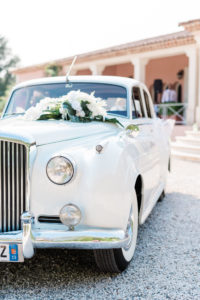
point(166, 70)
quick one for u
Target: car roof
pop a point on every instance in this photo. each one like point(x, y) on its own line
point(124, 81)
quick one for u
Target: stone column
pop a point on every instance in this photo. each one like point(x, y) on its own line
point(193, 114)
point(96, 69)
point(139, 68)
point(192, 85)
point(197, 114)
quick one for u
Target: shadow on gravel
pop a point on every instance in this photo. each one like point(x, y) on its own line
point(57, 269)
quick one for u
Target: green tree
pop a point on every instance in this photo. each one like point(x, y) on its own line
point(7, 61)
point(53, 70)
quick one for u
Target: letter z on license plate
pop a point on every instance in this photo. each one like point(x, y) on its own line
point(11, 253)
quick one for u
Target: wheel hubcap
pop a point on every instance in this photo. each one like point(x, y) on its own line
point(129, 230)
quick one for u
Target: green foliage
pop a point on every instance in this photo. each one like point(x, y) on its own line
point(2, 104)
point(68, 107)
point(70, 114)
point(7, 61)
point(53, 113)
point(114, 121)
point(53, 70)
point(50, 116)
point(88, 113)
point(3, 99)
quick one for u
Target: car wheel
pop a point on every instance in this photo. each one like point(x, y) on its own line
point(117, 260)
point(162, 196)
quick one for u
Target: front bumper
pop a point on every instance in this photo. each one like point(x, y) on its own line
point(87, 239)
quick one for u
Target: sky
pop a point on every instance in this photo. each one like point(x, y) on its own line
point(43, 30)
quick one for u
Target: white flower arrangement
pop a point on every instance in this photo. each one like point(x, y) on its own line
point(76, 106)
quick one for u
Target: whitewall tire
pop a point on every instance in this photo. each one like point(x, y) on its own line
point(117, 260)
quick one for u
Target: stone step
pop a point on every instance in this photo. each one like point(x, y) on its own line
point(186, 140)
point(185, 156)
point(181, 147)
point(191, 133)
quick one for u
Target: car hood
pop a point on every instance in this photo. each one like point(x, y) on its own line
point(46, 132)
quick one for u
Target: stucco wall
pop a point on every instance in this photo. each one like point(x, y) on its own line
point(84, 72)
point(30, 75)
point(125, 70)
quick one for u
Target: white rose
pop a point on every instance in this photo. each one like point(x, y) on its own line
point(97, 108)
point(73, 96)
point(76, 105)
point(32, 114)
point(80, 114)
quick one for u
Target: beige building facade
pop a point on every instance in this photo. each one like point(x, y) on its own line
point(171, 59)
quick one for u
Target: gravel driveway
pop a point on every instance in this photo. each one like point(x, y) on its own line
point(166, 264)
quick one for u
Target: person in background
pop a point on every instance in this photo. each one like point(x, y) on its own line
point(169, 95)
point(158, 88)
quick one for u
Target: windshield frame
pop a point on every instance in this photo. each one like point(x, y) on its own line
point(4, 115)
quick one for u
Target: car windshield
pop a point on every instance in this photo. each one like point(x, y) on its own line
point(23, 98)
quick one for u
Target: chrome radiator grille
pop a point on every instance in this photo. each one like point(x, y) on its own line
point(12, 184)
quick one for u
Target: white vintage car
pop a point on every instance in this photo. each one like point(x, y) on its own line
point(80, 185)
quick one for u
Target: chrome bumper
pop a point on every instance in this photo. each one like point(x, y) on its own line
point(86, 239)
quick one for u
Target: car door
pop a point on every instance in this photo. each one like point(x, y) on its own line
point(159, 135)
point(150, 160)
point(156, 137)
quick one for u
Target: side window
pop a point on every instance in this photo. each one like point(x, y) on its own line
point(137, 110)
point(146, 98)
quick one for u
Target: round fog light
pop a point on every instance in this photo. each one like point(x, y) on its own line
point(70, 215)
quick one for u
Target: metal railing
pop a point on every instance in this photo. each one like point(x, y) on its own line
point(175, 111)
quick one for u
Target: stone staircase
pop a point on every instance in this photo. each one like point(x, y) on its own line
point(187, 147)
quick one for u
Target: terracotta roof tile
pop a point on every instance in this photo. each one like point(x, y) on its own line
point(192, 25)
point(159, 42)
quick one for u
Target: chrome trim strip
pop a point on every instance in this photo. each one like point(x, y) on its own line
point(82, 239)
point(87, 239)
point(17, 186)
point(4, 187)
point(13, 186)
point(16, 162)
point(30, 158)
point(1, 208)
point(27, 204)
point(22, 179)
point(19, 139)
point(8, 187)
point(28, 249)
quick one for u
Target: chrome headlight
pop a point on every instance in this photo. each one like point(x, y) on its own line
point(70, 215)
point(60, 170)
